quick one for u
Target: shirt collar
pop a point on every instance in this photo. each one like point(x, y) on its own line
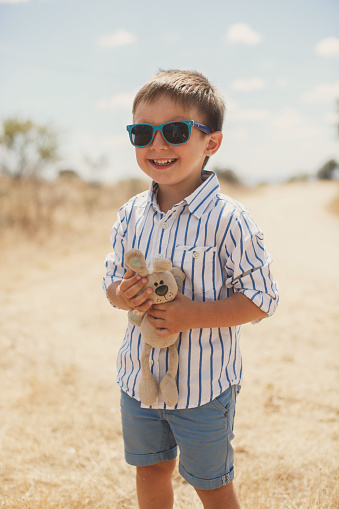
point(204, 194)
point(199, 199)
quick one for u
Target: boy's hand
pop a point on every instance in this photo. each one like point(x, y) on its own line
point(182, 314)
point(130, 290)
point(172, 317)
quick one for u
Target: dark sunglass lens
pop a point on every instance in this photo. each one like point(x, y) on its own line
point(141, 135)
point(176, 133)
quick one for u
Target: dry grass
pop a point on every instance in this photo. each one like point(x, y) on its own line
point(39, 207)
point(334, 205)
point(61, 444)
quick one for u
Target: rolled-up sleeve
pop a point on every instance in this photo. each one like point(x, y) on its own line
point(248, 267)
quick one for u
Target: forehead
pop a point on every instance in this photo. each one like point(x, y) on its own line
point(163, 109)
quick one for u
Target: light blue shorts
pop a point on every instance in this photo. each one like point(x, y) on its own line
point(203, 434)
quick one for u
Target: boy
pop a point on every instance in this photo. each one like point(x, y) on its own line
point(178, 119)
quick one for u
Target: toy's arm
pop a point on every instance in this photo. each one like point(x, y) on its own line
point(135, 317)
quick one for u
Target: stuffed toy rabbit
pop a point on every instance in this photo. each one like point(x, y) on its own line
point(165, 281)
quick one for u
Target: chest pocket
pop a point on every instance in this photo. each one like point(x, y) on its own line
point(200, 265)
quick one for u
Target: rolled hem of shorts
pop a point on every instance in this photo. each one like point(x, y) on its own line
point(144, 460)
point(207, 484)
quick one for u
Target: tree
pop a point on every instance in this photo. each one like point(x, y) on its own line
point(26, 148)
point(228, 175)
point(326, 172)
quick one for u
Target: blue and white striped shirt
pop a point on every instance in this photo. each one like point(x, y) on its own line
point(214, 240)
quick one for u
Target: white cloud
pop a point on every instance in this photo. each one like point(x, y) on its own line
point(247, 85)
point(328, 47)
point(282, 82)
point(13, 1)
point(121, 101)
point(288, 117)
point(237, 133)
point(121, 140)
point(230, 103)
point(268, 64)
point(323, 93)
point(171, 38)
point(243, 34)
point(116, 39)
point(290, 124)
point(331, 118)
point(249, 115)
point(235, 113)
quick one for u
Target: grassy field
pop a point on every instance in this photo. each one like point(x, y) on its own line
point(61, 443)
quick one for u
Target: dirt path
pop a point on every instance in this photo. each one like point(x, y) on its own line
point(59, 417)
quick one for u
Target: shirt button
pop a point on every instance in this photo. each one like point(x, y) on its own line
point(151, 362)
point(196, 254)
point(164, 226)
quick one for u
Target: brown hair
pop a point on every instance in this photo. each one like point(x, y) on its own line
point(188, 88)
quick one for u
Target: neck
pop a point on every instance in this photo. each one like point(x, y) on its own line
point(168, 196)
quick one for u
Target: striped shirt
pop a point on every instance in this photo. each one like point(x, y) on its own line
point(214, 240)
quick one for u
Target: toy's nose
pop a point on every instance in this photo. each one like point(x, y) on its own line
point(161, 290)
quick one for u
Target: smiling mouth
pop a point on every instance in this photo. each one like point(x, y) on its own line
point(163, 162)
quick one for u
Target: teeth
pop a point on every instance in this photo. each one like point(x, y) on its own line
point(162, 162)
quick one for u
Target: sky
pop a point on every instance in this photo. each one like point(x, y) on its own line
point(77, 65)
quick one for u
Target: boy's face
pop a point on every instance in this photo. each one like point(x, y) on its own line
point(172, 166)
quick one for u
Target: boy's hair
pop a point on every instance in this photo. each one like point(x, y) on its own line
point(190, 89)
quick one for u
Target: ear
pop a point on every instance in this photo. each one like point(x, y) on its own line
point(136, 261)
point(179, 276)
point(213, 144)
point(161, 264)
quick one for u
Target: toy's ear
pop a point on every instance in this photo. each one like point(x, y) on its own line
point(179, 276)
point(161, 264)
point(136, 261)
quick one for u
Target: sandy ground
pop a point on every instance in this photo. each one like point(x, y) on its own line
point(60, 435)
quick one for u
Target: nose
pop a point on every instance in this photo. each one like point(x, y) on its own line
point(161, 290)
point(158, 139)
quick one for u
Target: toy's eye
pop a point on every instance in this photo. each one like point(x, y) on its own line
point(155, 284)
point(161, 282)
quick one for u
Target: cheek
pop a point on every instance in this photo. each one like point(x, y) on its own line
point(139, 154)
point(192, 152)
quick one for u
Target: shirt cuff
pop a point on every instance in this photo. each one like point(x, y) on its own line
point(263, 301)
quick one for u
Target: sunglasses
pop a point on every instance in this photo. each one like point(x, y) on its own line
point(174, 133)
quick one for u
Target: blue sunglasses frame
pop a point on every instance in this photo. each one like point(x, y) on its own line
point(159, 127)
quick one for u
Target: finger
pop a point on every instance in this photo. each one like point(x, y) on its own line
point(141, 297)
point(155, 313)
point(164, 333)
point(157, 323)
point(131, 277)
point(160, 307)
point(143, 308)
point(130, 273)
point(128, 282)
point(131, 287)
